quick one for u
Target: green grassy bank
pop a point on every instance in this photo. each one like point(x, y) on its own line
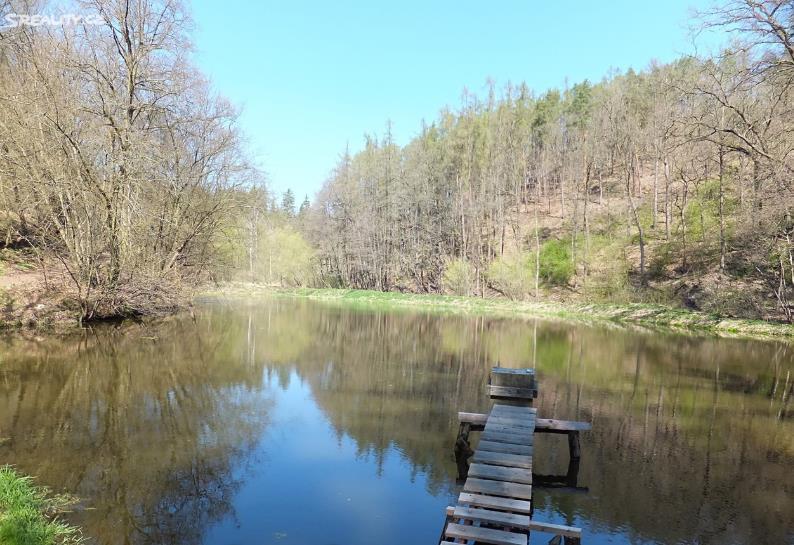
point(28, 513)
point(635, 313)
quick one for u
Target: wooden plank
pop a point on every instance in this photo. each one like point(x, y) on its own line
point(498, 488)
point(501, 473)
point(509, 391)
point(507, 437)
point(507, 448)
point(558, 529)
point(492, 517)
point(478, 419)
point(504, 410)
point(513, 370)
point(495, 423)
point(513, 378)
point(519, 417)
point(526, 422)
point(485, 535)
point(493, 502)
point(504, 428)
point(502, 459)
point(550, 425)
point(501, 407)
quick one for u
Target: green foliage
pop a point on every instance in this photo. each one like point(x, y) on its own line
point(26, 513)
point(460, 277)
point(288, 203)
point(556, 265)
point(513, 275)
point(609, 280)
point(580, 103)
point(285, 257)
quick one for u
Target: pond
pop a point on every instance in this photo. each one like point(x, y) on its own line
point(281, 421)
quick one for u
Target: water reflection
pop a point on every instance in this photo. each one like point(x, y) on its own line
point(243, 425)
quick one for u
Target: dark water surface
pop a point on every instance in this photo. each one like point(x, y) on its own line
point(290, 422)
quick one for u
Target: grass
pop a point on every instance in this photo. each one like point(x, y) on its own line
point(631, 313)
point(28, 513)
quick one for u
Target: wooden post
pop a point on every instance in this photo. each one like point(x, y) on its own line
point(463, 450)
point(572, 476)
point(573, 445)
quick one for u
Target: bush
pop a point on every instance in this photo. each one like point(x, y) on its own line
point(460, 277)
point(660, 260)
point(556, 266)
point(283, 256)
point(513, 275)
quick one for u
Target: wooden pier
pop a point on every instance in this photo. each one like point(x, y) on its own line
point(495, 506)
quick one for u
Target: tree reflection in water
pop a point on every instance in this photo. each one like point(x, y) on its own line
point(154, 424)
point(147, 430)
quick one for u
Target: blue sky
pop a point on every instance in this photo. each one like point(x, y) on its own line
point(313, 77)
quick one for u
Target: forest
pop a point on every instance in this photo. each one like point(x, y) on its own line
point(668, 185)
point(126, 183)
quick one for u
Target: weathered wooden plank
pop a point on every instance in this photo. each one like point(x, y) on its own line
point(498, 488)
point(513, 371)
point(513, 410)
point(509, 391)
point(505, 415)
point(558, 529)
point(494, 502)
point(485, 535)
point(501, 473)
point(501, 428)
point(528, 428)
point(515, 378)
point(542, 425)
point(501, 407)
point(477, 419)
point(507, 448)
point(518, 422)
point(550, 425)
point(502, 459)
point(492, 517)
point(507, 437)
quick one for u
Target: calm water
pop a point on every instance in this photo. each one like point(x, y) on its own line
point(290, 422)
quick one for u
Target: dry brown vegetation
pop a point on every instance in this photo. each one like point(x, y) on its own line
point(117, 162)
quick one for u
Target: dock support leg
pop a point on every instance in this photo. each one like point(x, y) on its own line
point(572, 476)
point(574, 450)
point(573, 445)
point(463, 451)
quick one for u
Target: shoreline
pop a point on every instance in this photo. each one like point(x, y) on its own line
point(641, 314)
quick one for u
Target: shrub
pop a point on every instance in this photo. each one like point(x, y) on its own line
point(459, 277)
point(513, 275)
point(556, 266)
point(660, 260)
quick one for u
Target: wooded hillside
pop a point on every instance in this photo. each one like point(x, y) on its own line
point(125, 181)
point(673, 184)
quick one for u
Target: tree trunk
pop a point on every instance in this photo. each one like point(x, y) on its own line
point(721, 208)
point(637, 224)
